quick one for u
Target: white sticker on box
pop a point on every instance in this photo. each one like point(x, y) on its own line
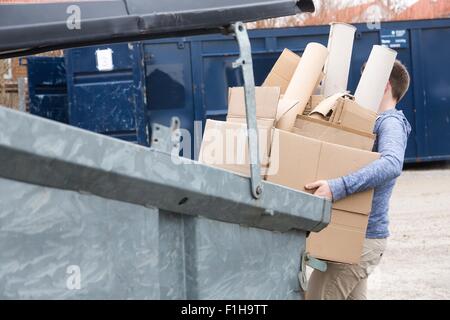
point(104, 59)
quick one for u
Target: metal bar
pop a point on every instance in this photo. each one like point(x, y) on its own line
point(246, 63)
point(200, 113)
point(47, 153)
point(21, 88)
point(136, 51)
point(307, 260)
point(316, 263)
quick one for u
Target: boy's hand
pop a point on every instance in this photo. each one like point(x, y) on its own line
point(323, 189)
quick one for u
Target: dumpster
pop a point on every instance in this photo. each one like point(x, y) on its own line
point(87, 216)
point(136, 225)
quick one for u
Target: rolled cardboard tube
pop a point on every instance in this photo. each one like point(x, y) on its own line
point(370, 90)
point(318, 88)
point(303, 82)
point(286, 110)
point(337, 67)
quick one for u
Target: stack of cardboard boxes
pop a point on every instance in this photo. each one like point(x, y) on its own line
point(331, 139)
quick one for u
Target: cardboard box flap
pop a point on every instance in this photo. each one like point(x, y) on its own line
point(354, 116)
point(283, 70)
point(225, 146)
point(266, 102)
point(328, 105)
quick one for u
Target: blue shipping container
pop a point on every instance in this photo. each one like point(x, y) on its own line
point(189, 78)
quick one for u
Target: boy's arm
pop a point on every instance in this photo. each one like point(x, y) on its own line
point(392, 139)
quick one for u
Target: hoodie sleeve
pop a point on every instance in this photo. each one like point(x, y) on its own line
point(392, 140)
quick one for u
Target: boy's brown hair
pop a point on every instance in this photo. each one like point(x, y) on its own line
point(399, 80)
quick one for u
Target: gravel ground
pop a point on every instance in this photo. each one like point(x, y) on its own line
point(416, 264)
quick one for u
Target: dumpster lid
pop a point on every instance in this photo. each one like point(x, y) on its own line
point(27, 28)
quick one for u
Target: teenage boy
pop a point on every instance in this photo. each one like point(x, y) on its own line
point(345, 281)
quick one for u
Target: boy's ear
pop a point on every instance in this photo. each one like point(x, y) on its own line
point(388, 87)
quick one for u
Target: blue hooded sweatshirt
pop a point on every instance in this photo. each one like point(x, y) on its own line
point(392, 130)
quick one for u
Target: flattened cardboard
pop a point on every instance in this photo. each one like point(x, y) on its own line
point(283, 70)
point(225, 145)
point(266, 102)
point(333, 133)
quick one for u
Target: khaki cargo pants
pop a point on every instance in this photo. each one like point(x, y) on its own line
point(345, 281)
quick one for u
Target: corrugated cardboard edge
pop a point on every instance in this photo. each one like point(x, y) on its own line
point(337, 126)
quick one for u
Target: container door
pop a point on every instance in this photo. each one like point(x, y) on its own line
point(434, 70)
point(47, 88)
point(106, 92)
point(168, 82)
